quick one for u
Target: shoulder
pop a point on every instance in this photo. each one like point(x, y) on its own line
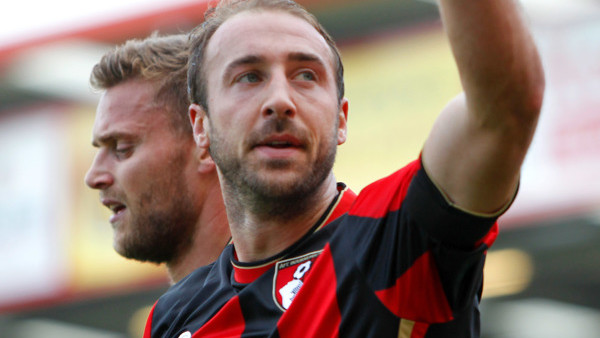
point(185, 287)
point(386, 194)
point(190, 286)
point(178, 305)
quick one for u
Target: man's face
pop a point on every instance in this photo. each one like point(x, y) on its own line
point(274, 117)
point(146, 174)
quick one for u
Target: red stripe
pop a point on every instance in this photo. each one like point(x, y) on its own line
point(315, 311)
point(249, 275)
point(171, 19)
point(148, 328)
point(228, 322)
point(182, 17)
point(418, 294)
point(392, 188)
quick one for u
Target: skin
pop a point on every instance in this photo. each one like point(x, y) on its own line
point(478, 143)
point(473, 153)
point(163, 192)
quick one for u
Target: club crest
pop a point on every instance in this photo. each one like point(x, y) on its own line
point(289, 277)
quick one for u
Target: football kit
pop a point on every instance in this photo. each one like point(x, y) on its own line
point(398, 260)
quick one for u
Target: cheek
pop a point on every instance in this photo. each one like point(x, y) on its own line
point(136, 177)
point(232, 122)
point(327, 120)
point(141, 171)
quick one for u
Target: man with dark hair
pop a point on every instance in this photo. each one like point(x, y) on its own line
point(406, 258)
point(164, 192)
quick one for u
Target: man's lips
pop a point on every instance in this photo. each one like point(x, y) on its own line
point(116, 207)
point(279, 146)
point(280, 141)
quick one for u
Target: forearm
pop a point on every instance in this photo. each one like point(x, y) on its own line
point(498, 63)
point(477, 145)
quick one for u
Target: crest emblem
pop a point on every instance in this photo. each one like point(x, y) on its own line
point(289, 277)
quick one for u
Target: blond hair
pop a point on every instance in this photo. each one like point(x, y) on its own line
point(162, 60)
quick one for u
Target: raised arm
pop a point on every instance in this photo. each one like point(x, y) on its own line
point(478, 143)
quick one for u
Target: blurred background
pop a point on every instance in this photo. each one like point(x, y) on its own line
point(59, 276)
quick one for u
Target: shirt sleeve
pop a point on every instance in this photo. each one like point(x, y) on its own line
point(422, 257)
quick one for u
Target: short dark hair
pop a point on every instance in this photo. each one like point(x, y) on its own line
point(225, 9)
point(159, 59)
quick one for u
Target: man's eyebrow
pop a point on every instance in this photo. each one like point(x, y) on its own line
point(305, 57)
point(109, 138)
point(256, 59)
point(245, 60)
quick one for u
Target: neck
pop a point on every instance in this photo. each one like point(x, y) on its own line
point(257, 236)
point(211, 236)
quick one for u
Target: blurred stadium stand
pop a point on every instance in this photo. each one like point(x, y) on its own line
point(59, 276)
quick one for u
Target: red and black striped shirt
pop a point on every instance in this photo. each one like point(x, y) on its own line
point(399, 261)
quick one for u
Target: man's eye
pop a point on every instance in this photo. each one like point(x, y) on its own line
point(249, 78)
point(306, 76)
point(122, 151)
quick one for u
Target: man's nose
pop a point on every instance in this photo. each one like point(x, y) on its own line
point(98, 177)
point(278, 100)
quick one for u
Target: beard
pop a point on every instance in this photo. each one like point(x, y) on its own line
point(263, 194)
point(162, 221)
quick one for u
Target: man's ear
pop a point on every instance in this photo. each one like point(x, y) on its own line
point(197, 118)
point(342, 122)
point(205, 161)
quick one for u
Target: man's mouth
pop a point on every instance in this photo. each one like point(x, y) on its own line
point(280, 142)
point(116, 207)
